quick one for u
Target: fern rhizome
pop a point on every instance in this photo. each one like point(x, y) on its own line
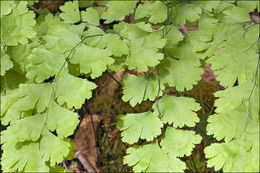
point(48, 62)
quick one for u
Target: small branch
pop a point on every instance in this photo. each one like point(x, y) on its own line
point(84, 161)
point(34, 9)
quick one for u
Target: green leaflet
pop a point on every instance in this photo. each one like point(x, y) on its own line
point(72, 90)
point(61, 37)
point(90, 16)
point(234, 114)
point(186, 12)
point(24, 99)
point(147, 88)
point(178, 142)
point(117, 10)
point(17, 27)
point(151, 158)
point(115, 44)
point(236, 15)
point(70, 12)
point(62, 120)
point(201, 39)
point(92, 60)
point(156, 11)
point(177, 110)
point(174, 36)
point(182, 67)
point(6, 63)
point(234, 158)
point(140, 125)
point(44, 64)
point(7, 7)
point(235, 58)
point(144, 52)
point(249, 5)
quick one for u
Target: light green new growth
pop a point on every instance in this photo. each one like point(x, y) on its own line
point(181, 68)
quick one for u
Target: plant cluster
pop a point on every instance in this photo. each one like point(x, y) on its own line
point(48, 63)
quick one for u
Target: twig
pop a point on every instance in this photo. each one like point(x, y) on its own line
point(34, 9)
point(94, 133)
point(84, 161)
point(110, 75)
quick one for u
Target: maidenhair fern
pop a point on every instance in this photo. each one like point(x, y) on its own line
point(46, 60)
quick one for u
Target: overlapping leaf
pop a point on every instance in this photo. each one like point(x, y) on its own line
point(182, 67)
point(234, 58)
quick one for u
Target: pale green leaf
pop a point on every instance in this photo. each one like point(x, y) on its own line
point(53, 149)
point(145, 52)
point(115, 44)
point(7, 7)
point(147, 88)
point(117, 10)
point(92, 60)
point(27, 158)
point(6, 63)
point(156, 11)
point(61, 37)
point(62, 120)
point(44, 64)
point(26, 98)
point(70, 12)
point(185, 12)
point(72, 90)
point(177, 110)
point(90, 16)
point(17, 27)
point(249, 5)
point(232, 157)
point(179, 142)
point(140, 125)
point(235, 58)
point(182, 69)
point(151, 158)
point(174, 36)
